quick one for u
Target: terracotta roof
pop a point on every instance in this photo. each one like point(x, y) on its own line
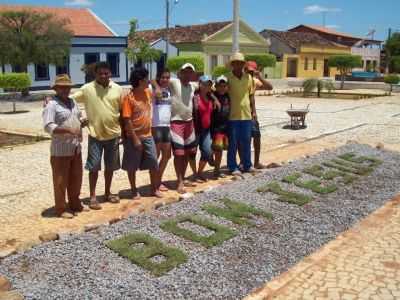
point(296, 39)
point(331, 32)
point(184, 34)
point(82, 21)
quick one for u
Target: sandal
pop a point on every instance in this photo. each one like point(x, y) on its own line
point(94, 205)
point(112, 198)
point(163, 188)
point(66, 215)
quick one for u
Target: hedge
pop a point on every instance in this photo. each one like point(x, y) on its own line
point(220, 70)
point(15, 81)
point(174, 64)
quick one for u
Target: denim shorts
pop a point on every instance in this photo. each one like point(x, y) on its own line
point(95, 152)
point(205, 145)
point(161, 135)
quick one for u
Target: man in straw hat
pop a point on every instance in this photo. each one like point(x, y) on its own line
point(241, 115)
point(62, 120)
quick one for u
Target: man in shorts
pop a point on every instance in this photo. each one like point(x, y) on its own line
point(184, 142)
point(258, 83)
point(102, 101)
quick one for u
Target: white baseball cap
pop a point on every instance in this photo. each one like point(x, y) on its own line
point(188, 65)
point(221, 78)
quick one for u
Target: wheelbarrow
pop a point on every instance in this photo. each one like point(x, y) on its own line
point(297, 117)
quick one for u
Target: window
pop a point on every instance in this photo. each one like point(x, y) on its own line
point(315, 64)
point(213, 62)
point(64, 68)
point(18, 69)
point(113, 60)
point(226, 59)
point(374, 65)
point(42, 72)
point(306, 64)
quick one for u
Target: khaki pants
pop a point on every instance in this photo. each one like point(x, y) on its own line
point(67, 176)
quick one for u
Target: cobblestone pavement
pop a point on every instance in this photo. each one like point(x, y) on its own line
point(362, 263)
point(25, 174)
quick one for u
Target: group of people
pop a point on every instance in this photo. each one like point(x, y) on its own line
point(155, 118)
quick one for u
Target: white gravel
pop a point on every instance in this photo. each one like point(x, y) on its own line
point(82, 267)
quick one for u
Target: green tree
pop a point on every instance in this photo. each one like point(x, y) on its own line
point(139, 50)
point(392, 49)
point(263, 60)
point(175, 63)
point(345, 63)
point(313, 84)
point(391, 79)
point(32, 37)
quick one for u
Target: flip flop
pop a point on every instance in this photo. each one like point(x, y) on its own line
point(112, 198)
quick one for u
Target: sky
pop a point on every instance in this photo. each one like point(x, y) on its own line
point(357, 17)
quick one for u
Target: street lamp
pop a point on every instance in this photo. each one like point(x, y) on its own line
point(167, 13)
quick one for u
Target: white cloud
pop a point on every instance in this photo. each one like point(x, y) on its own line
point(78, 3)
point(316, 9)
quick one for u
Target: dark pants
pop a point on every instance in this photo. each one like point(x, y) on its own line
point(239, 133)
point(67, 176)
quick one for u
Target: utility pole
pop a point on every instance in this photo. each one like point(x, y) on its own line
point(324, 18)
point(167, 30)
point(235, 31)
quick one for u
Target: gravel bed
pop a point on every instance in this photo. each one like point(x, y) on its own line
point(82, 267)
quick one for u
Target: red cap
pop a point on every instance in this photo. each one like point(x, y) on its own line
point(251, 65)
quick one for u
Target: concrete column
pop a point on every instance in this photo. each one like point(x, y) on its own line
point(235, 33)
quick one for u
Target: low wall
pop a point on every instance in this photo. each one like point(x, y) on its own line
point(351, 85)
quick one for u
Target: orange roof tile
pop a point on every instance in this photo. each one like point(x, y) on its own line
point(82, 21)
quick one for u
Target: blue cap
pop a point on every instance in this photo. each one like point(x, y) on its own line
point(205, 78)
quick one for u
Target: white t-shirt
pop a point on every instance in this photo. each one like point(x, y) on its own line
point(182, 100)
point(162, 109)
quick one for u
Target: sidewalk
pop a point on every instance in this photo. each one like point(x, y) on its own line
point(361, 263)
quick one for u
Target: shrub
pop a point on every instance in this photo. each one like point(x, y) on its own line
point(311, 84)
point(262, 60)
point(175, 63)
point(391, 79)
point(15, 81)
point(220, 70)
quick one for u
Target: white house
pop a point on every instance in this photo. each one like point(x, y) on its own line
point(93, 41)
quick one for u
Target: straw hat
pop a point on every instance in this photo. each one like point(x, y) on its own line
point(237, 57)
point(62, 80)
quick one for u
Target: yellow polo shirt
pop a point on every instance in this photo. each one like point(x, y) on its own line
point(102, 106)
point(239, 92)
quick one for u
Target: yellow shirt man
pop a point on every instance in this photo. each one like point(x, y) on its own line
point(240, 90)
point(102, 106)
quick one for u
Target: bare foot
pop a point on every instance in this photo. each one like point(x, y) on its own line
point(135, 195)
point(93, 204)
point(260, 166)
point(181, 189)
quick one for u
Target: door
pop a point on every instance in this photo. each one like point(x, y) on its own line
point(90, 59)
point(292, 67)
point(326, 68)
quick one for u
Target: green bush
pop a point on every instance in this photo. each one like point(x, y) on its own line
point(395, 64)
point(312, 84)
point(220, 70)
point(15, 81)
point(174, 64)
point(392, 79)
point(262, 60)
